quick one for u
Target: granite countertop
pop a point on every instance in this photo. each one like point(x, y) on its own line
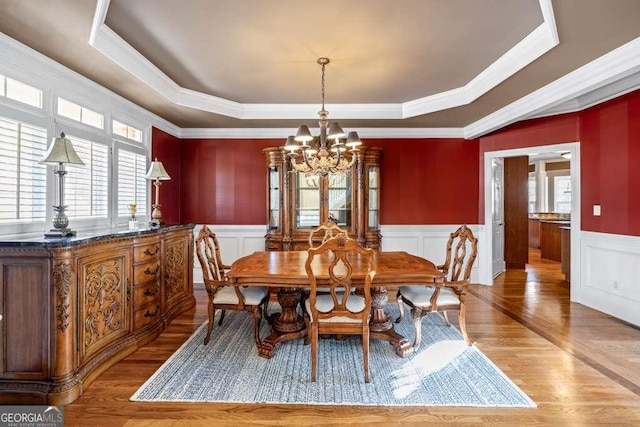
point(57, 242)
point(555, 221)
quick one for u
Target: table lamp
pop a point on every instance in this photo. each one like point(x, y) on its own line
point(157, 173)
point(59, 153)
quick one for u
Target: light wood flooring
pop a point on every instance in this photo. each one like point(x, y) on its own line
point(580, 366)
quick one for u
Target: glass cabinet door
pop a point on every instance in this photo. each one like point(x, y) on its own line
point(274, 198)
point(339, 198)
point(307, 201)
point(374, 197)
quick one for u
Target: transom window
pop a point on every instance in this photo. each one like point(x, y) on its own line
point(21, 92)
point(79, 113)
point(126, 131)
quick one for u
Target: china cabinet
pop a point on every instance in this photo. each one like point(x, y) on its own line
point(296, 204)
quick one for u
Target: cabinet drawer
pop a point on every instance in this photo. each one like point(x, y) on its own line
point(146, 272)
point(149, 293)
point(146, 252)
point(145, 316)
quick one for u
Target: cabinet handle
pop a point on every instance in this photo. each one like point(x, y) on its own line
point(148, 252)
point(154, 272)
point(149, 293)
point(149, 314)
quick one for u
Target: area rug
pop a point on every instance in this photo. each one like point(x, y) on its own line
point(444, 372)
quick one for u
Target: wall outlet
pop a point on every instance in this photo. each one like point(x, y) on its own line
point(596, 210)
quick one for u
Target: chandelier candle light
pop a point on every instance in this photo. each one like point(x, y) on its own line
point(319, 157)
point(61, 152)
point(157, 173)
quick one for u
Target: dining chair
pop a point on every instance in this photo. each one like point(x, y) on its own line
point(452, 294)
point(338, 311)
point(222, 294)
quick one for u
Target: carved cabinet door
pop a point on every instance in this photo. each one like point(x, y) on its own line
point(105, 294)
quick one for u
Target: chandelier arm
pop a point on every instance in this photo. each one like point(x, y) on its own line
point(306, 159)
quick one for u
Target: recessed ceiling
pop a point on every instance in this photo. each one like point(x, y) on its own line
point(407, 63)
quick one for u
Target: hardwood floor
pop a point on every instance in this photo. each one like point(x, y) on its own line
point(580, 366)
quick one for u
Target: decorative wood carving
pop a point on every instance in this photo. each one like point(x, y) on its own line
point(62, 274)
point(174, 269)
point(103, 299)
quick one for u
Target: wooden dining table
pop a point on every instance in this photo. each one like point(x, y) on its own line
point(285, 271)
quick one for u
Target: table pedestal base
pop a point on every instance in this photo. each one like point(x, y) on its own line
point(287, 325)
point(381, 326)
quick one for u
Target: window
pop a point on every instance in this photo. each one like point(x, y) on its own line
point(132, 184)
point(126, 131)
point(21, 92)
point(562, 194)
point(22, 178)
point(76, 112)
point(87, 187)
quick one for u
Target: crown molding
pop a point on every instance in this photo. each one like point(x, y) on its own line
point(615, 66)
point(541, 40)
point(281, 133)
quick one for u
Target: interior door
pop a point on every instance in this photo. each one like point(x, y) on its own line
point(497, 216)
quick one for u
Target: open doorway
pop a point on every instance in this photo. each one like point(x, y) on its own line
point(489, 205)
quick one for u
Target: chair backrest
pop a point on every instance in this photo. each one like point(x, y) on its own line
point(208, 252)
point(338, 268)
point(327, 230)
point(462, 250)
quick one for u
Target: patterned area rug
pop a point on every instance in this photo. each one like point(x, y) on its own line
point(444, 372)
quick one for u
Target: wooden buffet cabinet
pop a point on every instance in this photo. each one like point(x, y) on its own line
point(297, 204)
point(73, 307)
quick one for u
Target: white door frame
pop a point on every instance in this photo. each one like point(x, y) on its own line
point(574, 149)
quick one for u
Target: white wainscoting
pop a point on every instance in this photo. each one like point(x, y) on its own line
point(610, 274)
point(430, 242)
point(427, 241)
point(235, 241)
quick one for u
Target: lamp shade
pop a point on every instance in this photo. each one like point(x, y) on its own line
point(157, 171)
point(61, 151)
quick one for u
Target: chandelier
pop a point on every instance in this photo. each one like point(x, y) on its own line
point(320, 156)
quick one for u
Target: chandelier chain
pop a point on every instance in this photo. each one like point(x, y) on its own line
point(323, 65)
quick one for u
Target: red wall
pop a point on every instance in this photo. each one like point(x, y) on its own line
point(610, 166)
point(224, 181)
point(428, 181)
point(167, 149)
point(423, 181)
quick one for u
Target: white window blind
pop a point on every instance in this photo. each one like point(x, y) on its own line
point(22, 177)
point(132, 184)
point(87, 187)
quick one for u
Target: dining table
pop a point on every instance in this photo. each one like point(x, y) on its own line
point(285, 272)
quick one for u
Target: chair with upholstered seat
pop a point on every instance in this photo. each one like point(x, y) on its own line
point(461, 252)
point(325, 231)
point(338, 311)
point(222, 294)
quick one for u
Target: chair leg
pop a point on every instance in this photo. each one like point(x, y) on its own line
point(463, 323)
point(307, 324)
point(257, 319)
point(221, 317)
point(314, 350)
point(400, 306)
point(417, 315)
point(365, 352)
point(212, 313)
point(446, 318)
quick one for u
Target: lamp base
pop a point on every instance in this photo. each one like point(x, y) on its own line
point(60, 232)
